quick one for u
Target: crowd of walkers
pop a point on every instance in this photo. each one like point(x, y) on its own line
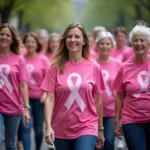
point(88, 89)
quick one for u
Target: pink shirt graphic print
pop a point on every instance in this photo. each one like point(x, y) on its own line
point(133, 79)
point(74, 111)
point(12, 72)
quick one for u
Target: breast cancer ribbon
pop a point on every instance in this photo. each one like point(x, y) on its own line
point(4, 72)
point(74, 95)
point(143, 83)
point(30, 69)
point(106, 77)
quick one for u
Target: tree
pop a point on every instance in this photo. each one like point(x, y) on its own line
point(114, 13)
point(50, 14)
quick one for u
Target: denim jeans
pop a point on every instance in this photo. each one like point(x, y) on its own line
point(11, 124)
point(37, 114)
point(137, 136)
point(108, 123)
point(1, 127)
point(85, 142)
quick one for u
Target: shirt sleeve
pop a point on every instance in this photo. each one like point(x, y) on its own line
point(23, 73)
point(49, 82)
point(99, 86)
point(118, 82)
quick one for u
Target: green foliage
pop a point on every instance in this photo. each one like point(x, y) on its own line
point(111, 13)
point(51, 14)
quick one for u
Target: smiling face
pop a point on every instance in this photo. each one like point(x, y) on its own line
point(105, 46)
point(5, 38)
point(31, 44)
point(54, 43)
point(140, 44)
point(121, 38)
point(75, 40)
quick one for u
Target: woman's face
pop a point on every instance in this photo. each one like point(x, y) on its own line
point(75, 40)
point(121, 38)
point(30, 44)
point(105, 46)
point(5, 37)
point(140, 44)
point(54, 43)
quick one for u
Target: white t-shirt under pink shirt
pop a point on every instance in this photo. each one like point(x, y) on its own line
point(74, 111)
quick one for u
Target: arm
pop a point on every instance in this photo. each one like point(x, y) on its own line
point(99, 108)
point(24, 94)
point(48, 111)
point(118, 106)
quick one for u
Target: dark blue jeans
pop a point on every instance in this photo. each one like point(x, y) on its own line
point(137, 136)
point(37, 114)
point(1, 127)
point(11, 124)
point(85, 142)
point(108, 123)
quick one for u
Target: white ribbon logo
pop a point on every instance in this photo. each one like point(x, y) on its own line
point(30, 69)
point(143, 83)
point(74, 92)
point(4, 72)
point(106, 77)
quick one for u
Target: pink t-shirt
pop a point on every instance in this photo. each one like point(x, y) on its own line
point(94, 53)
point(109, 72)
point(75, 111)
point(133, 79)
point(12, 72)
point(122, 55)
point(37, 68)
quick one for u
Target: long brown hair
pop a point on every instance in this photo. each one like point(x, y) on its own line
point(16, 44)
point(39, 46)
point(62, 55)
point(49, 51)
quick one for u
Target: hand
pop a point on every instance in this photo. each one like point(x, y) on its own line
point(118, 130)
point(49, 136)
point(26, 116)
point(101, 139)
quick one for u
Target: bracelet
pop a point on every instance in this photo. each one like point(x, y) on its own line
point(101, 129)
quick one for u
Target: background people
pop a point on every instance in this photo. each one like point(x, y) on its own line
point(110, 67)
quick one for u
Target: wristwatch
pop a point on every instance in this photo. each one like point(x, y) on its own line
point(27, 106)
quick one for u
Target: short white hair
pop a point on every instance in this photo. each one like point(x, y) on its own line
point(140, 30)
point(105, 34)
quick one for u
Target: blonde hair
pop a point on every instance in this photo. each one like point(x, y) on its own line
point(62, 55)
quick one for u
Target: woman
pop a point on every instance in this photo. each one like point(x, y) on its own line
point(37, 65)
point(122, 51)
point(53, 44)
point(133, 93)
point(73, 95)
point(110, 67)
point(13, 84)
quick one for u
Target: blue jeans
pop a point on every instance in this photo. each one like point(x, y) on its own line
point(108, 123)
point(85, 142)
point(11, 125)
point(1, 127)
point(37, 113)
point(137, 136)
